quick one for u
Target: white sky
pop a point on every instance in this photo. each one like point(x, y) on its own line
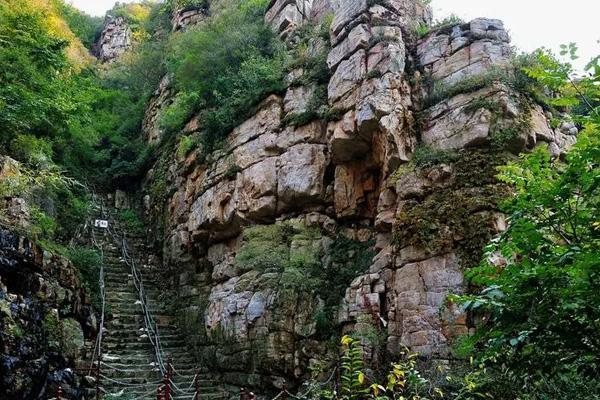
point(531, 23)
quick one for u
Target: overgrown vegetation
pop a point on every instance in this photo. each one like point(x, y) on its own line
point(87, 262)
point(538, 282)
point(298, 253)
point(131, 221)
point(310, 56)
point(460, 214)
point(240, 67)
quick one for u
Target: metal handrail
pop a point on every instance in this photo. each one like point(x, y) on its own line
point(149, 323)
point(97, 353)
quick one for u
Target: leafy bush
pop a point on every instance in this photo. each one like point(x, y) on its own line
point(84, 26)
point(32, 150)
point(186, 144)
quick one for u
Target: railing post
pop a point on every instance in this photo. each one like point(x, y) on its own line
point(284, 393)
point(167, 385)
point(170, 366)
point(58, 392)
point(243, 394)
point(98, 375)
point(196, 384)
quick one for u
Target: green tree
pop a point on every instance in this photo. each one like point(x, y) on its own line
point(540, 280)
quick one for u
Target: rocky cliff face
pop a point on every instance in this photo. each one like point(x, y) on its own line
point(116, 38)
point(45, 312)
point(406, 171)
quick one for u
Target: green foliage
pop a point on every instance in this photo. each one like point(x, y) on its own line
point(33, 97)
point(448, 22)
point(174, 118)
point(426, 157)
point(296, 252)
point(552, 243)
point(422, 30)
point(310, 55)
point(538, 284)
point(131, 221)
point(188, 4)
point(348, 259)
point(404, 381)
point(136, 15)
point(441, 92)
point(87, 262)
point(239, 68)
point(232, 171)
point(51, 326)
point(352, 378)
point(269, 247)
point(32, 150)
point(84, 26)
point(186, 145)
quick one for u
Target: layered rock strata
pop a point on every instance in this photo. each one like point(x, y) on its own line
point(116, 38)
point(356, 178)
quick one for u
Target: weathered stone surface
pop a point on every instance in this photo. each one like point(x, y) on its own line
point(387, 57)
point(256, 190)
point(296, 99)
point(285, 15)
point(345, 143)
point(349, 73)
point(72, 339)
point(214, 209)
point(354, 190)
point(115, 39)
point(358, 38)
point(345, 11)
point(184, 18)
point(453, 125)
point(267, 119)
point(450, 58)
point(420, 289)
point(301, 174)
point(484, 28)
point(350, 177)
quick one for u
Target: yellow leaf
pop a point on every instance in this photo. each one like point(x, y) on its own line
point(361, 378)
point(375, 389)
point(346, 340)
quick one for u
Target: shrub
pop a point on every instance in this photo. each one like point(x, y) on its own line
point(32, 150)
point(425, 156)
point(174, 118)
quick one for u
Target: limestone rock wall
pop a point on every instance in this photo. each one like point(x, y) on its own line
point(354, 177)
point(116, 38)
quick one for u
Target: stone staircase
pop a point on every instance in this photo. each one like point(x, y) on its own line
point(128, 370)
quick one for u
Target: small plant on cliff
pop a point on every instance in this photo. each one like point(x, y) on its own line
point(426, 157)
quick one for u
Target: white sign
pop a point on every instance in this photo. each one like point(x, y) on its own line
point(101, 223)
